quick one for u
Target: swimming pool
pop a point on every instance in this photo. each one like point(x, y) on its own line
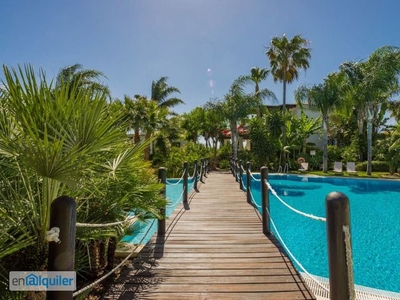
point(375, 224)
point(143, 231)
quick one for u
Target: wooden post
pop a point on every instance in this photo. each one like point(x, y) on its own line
point(185, 181)
point(338, 216)
point(236, 170)
point(232, 166)
point(241, 174)
point(162, 177)
point(201, 169)
point(62, 255)
point(265, 201)
point(205, 167)
point(195, 178)
point(248, 182)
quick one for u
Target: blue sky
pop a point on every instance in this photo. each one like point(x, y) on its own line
point(201, 45)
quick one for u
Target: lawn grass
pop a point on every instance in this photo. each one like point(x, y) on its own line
point(359, 174)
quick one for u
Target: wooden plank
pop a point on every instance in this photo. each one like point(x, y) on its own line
point(213, 249)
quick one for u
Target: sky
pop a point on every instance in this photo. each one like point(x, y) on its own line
point(200, 45)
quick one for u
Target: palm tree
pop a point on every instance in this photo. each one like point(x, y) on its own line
point(47, 139)
point(325, 97)
point(236, 106)
point(256, 76)
point(79, 78)
point(373, 82)
point(161, 91)
point(286, 57)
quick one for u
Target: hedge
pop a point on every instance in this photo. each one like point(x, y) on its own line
point(377, 166)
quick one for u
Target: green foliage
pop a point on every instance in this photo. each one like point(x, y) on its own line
point(387, 148)
point(275, 122)
point(57, 140)
point(192, 123)
point(263, 148)
point(350, 153)
point(245, 155)
point(189, 153)
point(225, 152)
point(334, 153)
point(377, 166)
point(224, 164)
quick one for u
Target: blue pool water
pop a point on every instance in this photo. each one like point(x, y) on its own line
point(374, 217)
point(143, 231)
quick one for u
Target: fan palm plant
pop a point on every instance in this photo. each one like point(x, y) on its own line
point(63, 139)
point(286, 58)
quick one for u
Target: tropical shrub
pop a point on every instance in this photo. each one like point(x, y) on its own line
point(225, 152)
point(263, 146)
point(189, 153)
point(377, 166)
point(64, 140)
point(350, 153)
point(334, 153)
point(224, 164)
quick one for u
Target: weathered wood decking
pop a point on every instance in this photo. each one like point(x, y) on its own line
point(213, 249)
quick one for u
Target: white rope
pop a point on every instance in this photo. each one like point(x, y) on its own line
point(292, 256)
point(349, 261)
point(255, 179)
point(53, 235)
point(179, 199)
point(191, 177)
point(291, 208)
point(176, 183)
point(252, 199)
point(114, 269)
point(127, 220)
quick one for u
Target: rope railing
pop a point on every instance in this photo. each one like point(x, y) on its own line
point(349, 260)
point(292, 255)
point(254, 201)
point(177, 201)
point(113, 270)
point(341, 280)
point(130, 219)
point(179, 181)
point(273, 192)
point(255, 179)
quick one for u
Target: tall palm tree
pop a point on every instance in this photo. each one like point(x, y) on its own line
point(236, 106)
point(161, 92)
point(325, 97)
point(286, 58)
point(79, 78)
point(256, 76)
point(373, 82)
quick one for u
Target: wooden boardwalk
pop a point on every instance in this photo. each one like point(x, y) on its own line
point(214, 249)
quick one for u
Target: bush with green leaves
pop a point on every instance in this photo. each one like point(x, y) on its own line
point(224, 164)
point(377, 166)
point(334, 154)
point(64, 139)
point(188, 153)
point(225, 152)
